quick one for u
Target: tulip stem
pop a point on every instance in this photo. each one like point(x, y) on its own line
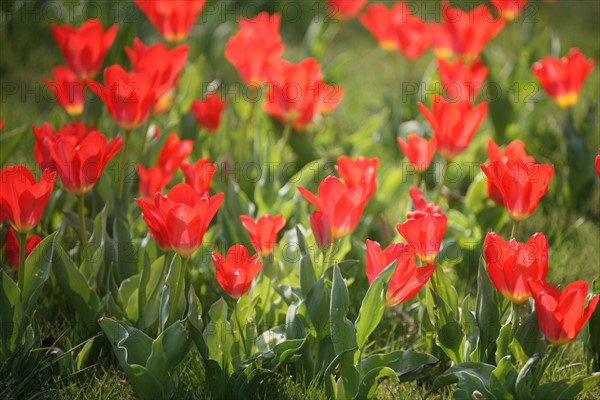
point(514, 229)
point(82, 228)
point(244, 138)
point(122, 161)
point(328, 256)
point(160, 279)
point(22, 238)
point(144, 138)
point(285, 137)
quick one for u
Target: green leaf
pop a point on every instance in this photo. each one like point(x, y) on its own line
point(470, 376)
point(173, 300)
point(168, 350)
point(530, 337)
point(307, 271)
point(11, 317)
point(450, 336)
point(487, 314)
point(503, 379)
point(152, 279)
point(407, 364)
point(371, 381)
point(526, 378)
point(502, 342)
point(37, 271)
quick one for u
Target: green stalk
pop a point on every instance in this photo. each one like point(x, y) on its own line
point(246, 125)
point(82, 228)
point(122, 161)
point(285, 137)
point(514, 229)
point(144, 137)
point(162, 272)
point(22, 237)
point(328, 256)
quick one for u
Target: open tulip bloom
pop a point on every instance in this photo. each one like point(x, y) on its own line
point(236, 271)
point(513, 151)
point(345, 9)
point(199, 176)
point(358, 172)
point(173, 19)
point(68, 90)
point(207, 112)
point(263, 232)
point(418, 150)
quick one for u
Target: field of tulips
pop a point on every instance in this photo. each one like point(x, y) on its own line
point(321, 199)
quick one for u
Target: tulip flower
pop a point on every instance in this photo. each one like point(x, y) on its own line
point(514, 150)
point(129, 97)
point(12, 247)
point(255, 47)
point(454, 124)
point(152, 180)
point(562, 315)
point(294, 93)
point(162, 64)
point(418, 150)
point(179, 220)
point(80, 160)
point(562, 78)
point(345, 9)
point(173, 19)
point(342, 205)
point(511, 264)
point(207, 112)
point(1, 123)
point(461, 81)
point(84, 49)
point(397, 29)
point(420, 205)
point(520, 184)
point(263, 232)
point(508, 9)
point(362, 171)
point(68, 90)
point(236, 271)
point(321, 228)
point(598, 164)
point(407, 279)
point(424, 232)
point(464, 34)
point(199, 176)
point(22, 199)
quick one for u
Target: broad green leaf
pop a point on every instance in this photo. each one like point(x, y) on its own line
point(11, 316)
point(470, 376)
point(488, 315)
point(503, 379)
point(526, 378)
point(173, 300)
point(37, 271)
point(407, 364)
point(307, 271)
point(168, 350)
point(450, 336)
point(502, 342)
point(371, 381)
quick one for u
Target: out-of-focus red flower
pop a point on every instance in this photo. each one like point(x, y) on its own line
point(173, 19)
point(420, 205)
point(342, 205)
point(84, 49)
point(129, 97)
point(562, 78)
point(520, 184)
point(156, 178)
point(511, 264)
point(461, 81)
point(562, 315)
point(296, 93)
point(1, 123)
point(508, 9)
point(41, 151)
point(514, 150)
point(362, 171)
point(418, 150)
point(598, 163)
point(255, 47)
point(68, 90)
point(22, 199)
point(464, 34)
point(424, 232)
point(162, 65)
point(236, 271)
point(208, 112)
point(12, 248)
point(407, 279)
point(453, 124)
point(263, 232)
point(397, 29)
point(179, 220)
point(199, 176)
point(321, 228)
point(80, 158)
point(345, 9)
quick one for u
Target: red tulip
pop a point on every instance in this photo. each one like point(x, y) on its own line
point(12, 248)
point(263, 232)
point(420, 205)
point(173, 19)
point(321, 228)
point(179, 220)
point(520, 184)
point(80, 159)
point(41, 151)
point(464, 34)
point(418, 150)
point(511, 264)
point(598, 163)
point(362, 171)
point(454, 124)
point(424, 232)
point(342, 205)
point(461, 81)
point(129, 97)
point(236, 271)
point(508, 9)
point(255, 47)
point(22, 200)
point(1, 123)
point(68, 90)
point(83, 49)
point(345, 9)
point(162, 64)
point(397, 29)
point(562, 315)
point(407, 279)
point(208, 112)
point(294, 93)
point(199, 175)
point(152, 180)
point(514, 150)
point(562, 78)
